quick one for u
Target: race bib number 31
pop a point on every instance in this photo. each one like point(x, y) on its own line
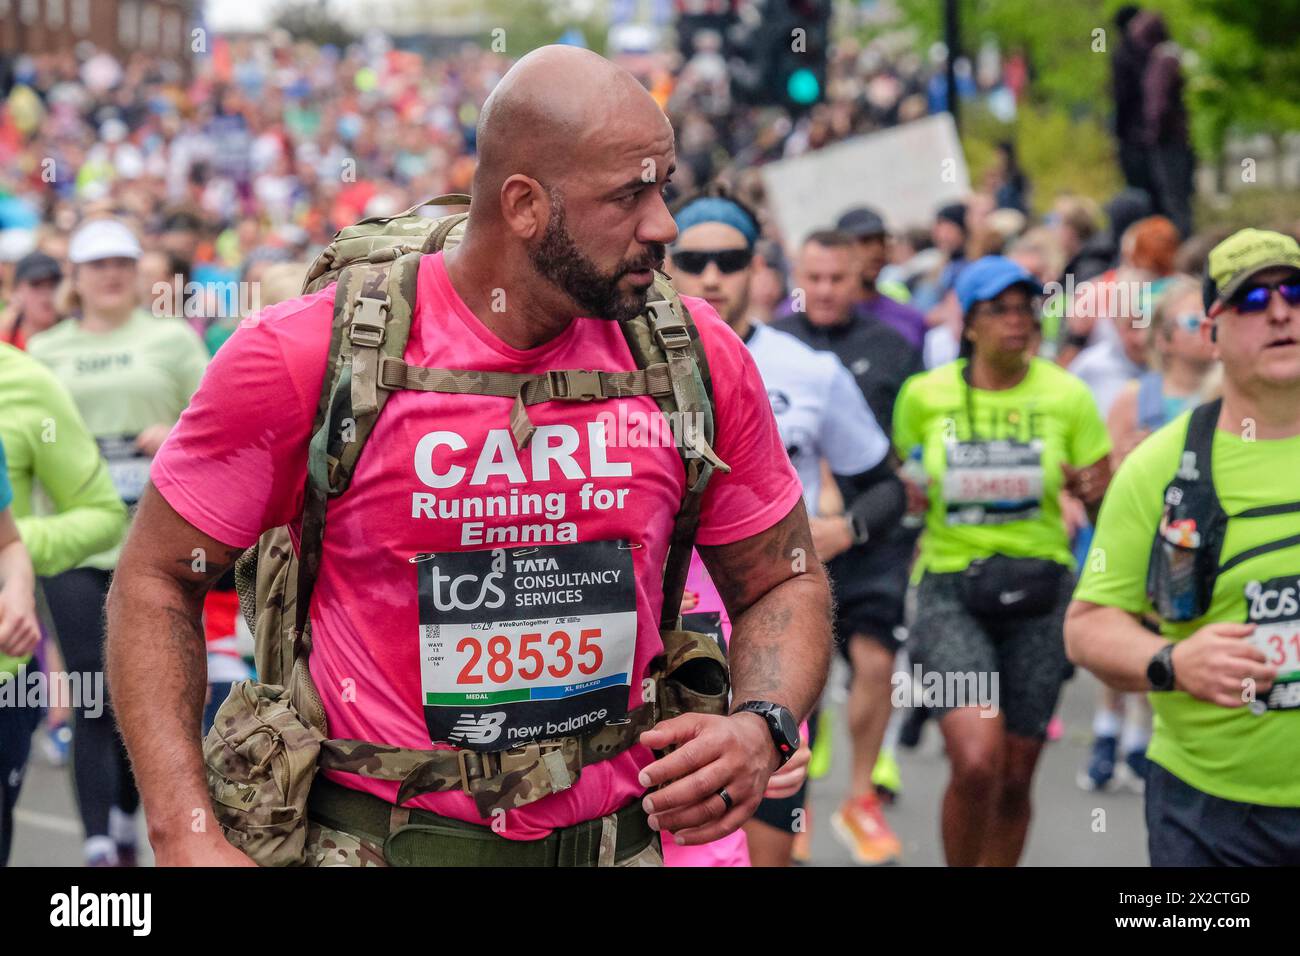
point(1274, 608)
point(523, 644)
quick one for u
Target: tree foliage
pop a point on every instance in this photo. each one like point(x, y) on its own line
point(311, 20)
point(1242, 74)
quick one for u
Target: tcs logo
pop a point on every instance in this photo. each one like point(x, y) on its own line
point(460, 594)
point(469, 592)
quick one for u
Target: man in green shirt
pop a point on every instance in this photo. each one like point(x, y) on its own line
point(1198, 530)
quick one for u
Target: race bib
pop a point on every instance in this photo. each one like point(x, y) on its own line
point(1273, 606)
point(128, 466)
point(524, 644)
point(993, 482)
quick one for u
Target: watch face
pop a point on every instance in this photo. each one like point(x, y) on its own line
point(789, 728)
point(1158, 672)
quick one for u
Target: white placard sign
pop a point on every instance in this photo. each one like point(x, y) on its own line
point(904, 173)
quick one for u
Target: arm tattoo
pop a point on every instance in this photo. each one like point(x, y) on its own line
point(748, 569)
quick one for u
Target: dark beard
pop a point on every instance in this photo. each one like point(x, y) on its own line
point(557, 258)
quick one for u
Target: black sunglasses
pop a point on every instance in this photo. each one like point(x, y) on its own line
point(695, 261)
point(1256, 296)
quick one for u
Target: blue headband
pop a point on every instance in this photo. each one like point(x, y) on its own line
point(717, 209)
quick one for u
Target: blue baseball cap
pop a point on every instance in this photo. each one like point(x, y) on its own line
point(989, 277)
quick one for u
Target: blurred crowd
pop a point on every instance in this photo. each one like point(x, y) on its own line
point(271, 146)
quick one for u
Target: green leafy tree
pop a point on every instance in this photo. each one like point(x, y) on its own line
point(525, 25)
point(311, 20)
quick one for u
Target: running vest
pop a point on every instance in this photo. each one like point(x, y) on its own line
point(1186, 554)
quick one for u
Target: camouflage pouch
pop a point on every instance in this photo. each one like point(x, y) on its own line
point(695, 675)
point(261, 758)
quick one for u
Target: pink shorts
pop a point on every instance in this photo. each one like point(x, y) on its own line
point(732, 850)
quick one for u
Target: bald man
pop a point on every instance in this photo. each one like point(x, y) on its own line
point(567, 223)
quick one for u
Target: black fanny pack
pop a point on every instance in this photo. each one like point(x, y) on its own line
point(1011, 587)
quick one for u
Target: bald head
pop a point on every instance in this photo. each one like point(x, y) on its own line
point(552, 112)
point(569, 210)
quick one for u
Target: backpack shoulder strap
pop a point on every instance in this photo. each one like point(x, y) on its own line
point(373, 306)
point(1198, 447)
point(665, 333)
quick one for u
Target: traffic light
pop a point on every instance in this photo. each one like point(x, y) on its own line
point(778, 52)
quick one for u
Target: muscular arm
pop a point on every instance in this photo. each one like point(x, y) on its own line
point(779, 601)
point(157, 664)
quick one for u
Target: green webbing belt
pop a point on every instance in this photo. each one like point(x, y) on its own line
point(426, 839)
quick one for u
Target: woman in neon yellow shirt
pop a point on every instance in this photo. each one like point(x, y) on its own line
point(1000, 434)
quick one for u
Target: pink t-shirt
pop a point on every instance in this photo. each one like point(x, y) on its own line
point(235, 466)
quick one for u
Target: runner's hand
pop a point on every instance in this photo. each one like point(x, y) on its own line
point(152, 438)
point(195, 850)
point(1073, 514)
point(19, 632)
point(712, 752)
point(918, 497)
point(1083, 483)
point(831, 536)
point(1215, 663)
point(690, 601)
point(787, 781)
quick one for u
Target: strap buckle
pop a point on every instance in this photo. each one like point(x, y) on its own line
point(527, 754)
point(368, 322)
point(481, 772)
point(576, 385)
point(500, 762)
point(669, 330)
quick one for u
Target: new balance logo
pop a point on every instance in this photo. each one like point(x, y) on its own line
point(477, 728)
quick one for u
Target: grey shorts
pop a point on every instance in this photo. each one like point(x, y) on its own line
point(1017, 663)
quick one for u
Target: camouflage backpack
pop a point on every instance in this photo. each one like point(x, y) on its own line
point(260, 769)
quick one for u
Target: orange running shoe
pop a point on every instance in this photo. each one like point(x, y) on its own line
point(860, 825)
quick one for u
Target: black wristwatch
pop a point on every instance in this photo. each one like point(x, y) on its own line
point(780, 724)
point(1160, 672)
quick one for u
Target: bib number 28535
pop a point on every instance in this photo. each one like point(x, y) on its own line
point(498, 659)
point(522, 644)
